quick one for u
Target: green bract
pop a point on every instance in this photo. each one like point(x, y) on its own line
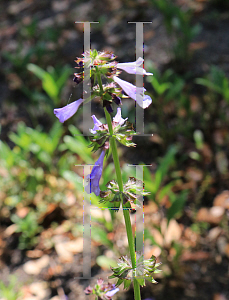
point(132, 190)
point(98, 140)
point(124, 134)
point(122, 131)
point(144, 270)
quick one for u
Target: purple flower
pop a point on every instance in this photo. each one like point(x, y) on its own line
point(105, 291)
point(94, 177)
point(100, 281)
point(116, 99)
point(133, 67)
point(78, 78)
point(118, 118)
point(112, 292)
point(108, 106)
point(88, 290)
point(67, 111)
point(131, 90)
point(97, 123)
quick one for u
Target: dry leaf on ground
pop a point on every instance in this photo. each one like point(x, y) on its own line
point(213, 215)
point(34, 267)
point(222, 199)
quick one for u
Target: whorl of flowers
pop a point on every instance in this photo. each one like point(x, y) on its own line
point(104, 291)
point(114, 90)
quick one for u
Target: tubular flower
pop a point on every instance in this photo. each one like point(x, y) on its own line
point(112, 292)
point(94, 177)
point(133, 67)
point(118, 118)
point(67, 111)
point(97, 124)
point(144, 100)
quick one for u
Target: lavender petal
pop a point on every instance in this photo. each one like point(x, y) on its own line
point(112, 292)
point(131, 89)
point(97, 123)
point(67, 111)
point(133, 67)
point(94, 177)
point(118, 118)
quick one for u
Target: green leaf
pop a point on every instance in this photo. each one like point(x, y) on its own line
point(94, 53)
point(160, 88)
point(175, 89)
point(165, 163)
point(166, 190)
point(22, 140)
point(48, 82)
point(147, 235)
point(177, 205)
point(61, 81)
point(141, 281)
point(119, 282)
point(198, 138)
point(44, 157)
point(99, 235)
point(50, 87)
point(74, 178)
point(208, 83)
point(39, 72)
point(75, 145)
point(105, 262)
point(7, 156)
point(127, 283)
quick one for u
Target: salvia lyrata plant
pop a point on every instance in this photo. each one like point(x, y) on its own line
point(104, 137)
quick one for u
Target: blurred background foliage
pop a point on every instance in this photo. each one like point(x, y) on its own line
point(41, 184)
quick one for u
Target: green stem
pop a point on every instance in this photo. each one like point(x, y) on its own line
point(126, 214)
point(137, 294)
point(99, 80)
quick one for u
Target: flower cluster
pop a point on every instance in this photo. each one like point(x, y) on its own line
point(122, 131)
point(103, 63)
point(100, 139)
point(145, 269)
point(104, 291)
point(131, 192)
